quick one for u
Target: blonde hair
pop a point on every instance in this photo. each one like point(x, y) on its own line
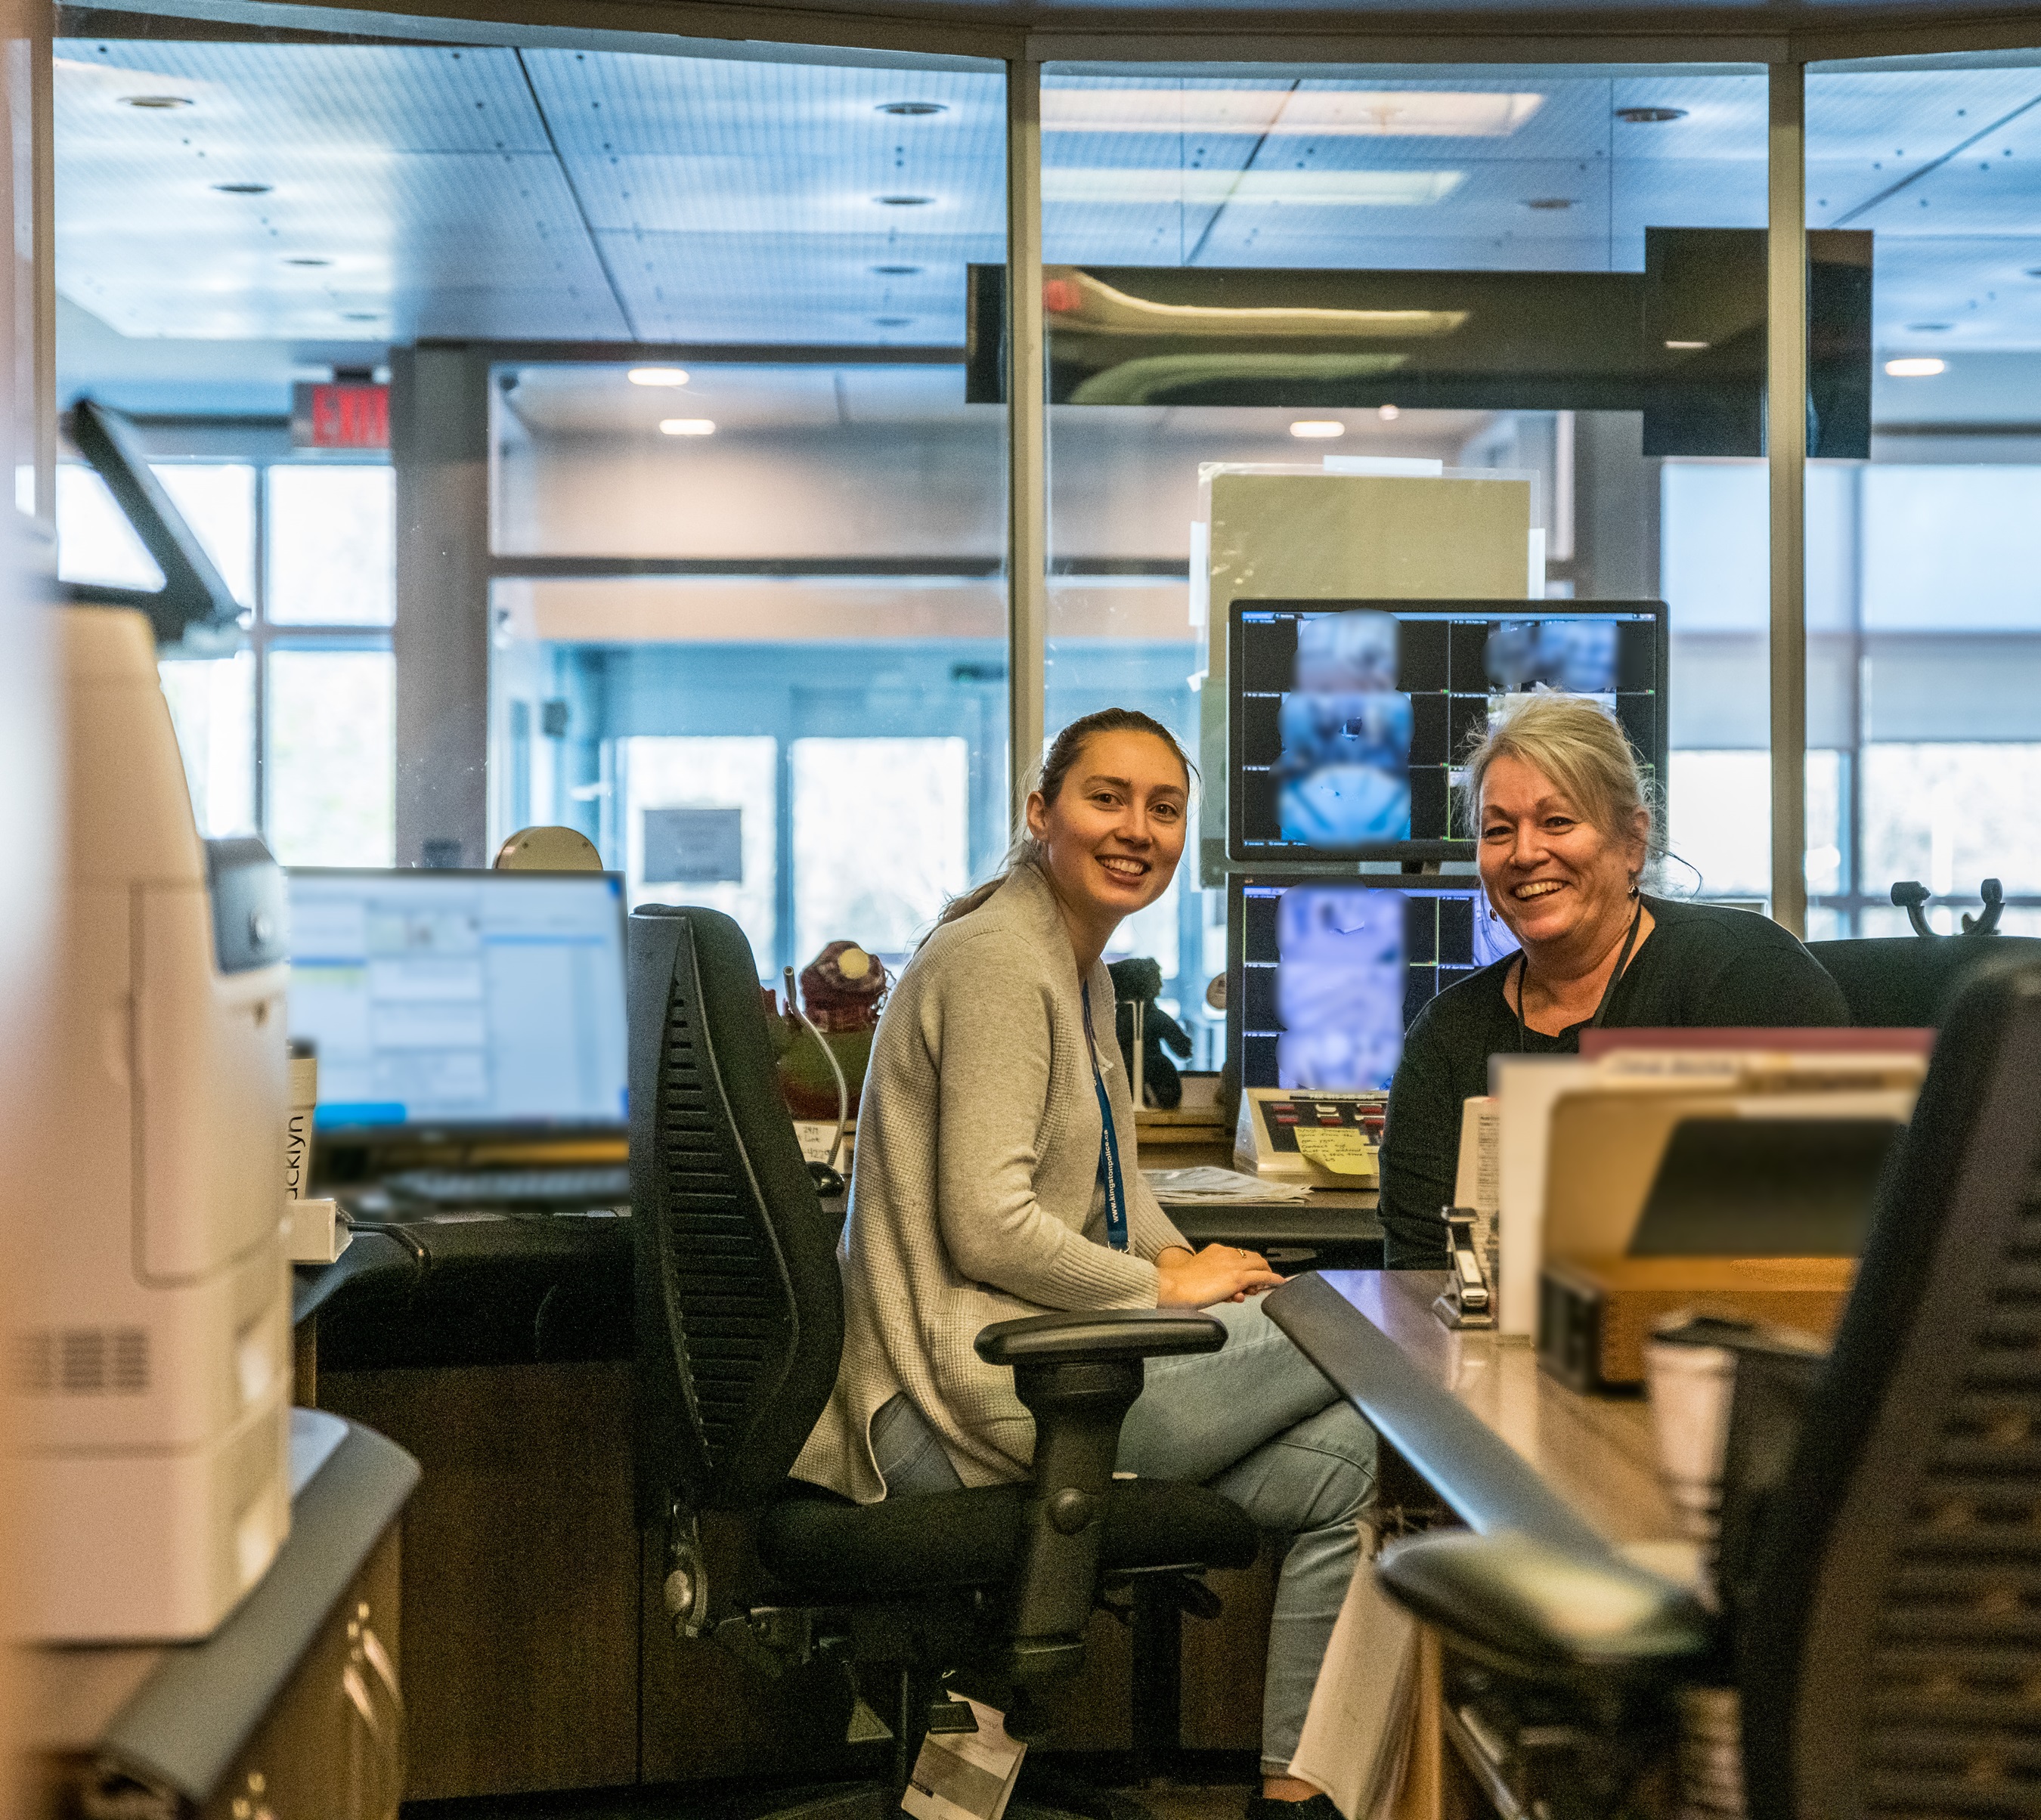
point(1573, 742)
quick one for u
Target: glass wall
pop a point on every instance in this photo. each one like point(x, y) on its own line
point(1924, 633)
point(293, 738)
point(1415, 270)
point(750, 603)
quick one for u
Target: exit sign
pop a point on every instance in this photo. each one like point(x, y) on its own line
point(346, 414)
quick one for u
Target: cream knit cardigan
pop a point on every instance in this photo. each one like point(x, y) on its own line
point(975, 1196)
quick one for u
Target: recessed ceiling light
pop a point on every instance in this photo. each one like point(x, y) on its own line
point(687, 426)
point(1923, 367)
point(1549, 202)
point(902, 201)
point(891, 322)
point(1316, 429)
point(243, 189)
point(897, 271)
point(2034, 271)
point(1389, 414)
point(308, 262)
point(914, 109)
point(1306, 189)
point(1686, 346)
point(1316, 113)
point(156, 102)
point(1929, 328)
point(1650, 116)
point(657, 376)
point(361, 316)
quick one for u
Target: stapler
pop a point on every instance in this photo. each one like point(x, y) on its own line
point(1469, 1299)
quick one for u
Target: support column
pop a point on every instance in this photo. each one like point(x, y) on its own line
point(1027, 422)
point(439, 446)
point(1786, 443)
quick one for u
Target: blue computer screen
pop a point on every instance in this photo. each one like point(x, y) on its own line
point(1332, 971)
point(478, 999)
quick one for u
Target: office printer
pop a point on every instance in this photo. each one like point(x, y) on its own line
point(152, 1342)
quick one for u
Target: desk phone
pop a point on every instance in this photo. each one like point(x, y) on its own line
point(1324, 1137)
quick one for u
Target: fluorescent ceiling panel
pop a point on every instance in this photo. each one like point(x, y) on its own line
point(1317, 113)
point(1306, 189)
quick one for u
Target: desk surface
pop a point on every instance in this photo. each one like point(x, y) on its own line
point(1589, 1458)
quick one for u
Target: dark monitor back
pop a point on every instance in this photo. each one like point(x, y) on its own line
point(1348, 719)
point(1764, 1188)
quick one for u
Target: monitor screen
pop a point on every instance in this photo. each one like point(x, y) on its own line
point(1328, 973)
point(476, 1000)
point(1349, 718)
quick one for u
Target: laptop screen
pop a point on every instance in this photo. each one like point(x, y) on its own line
point(472, 1001)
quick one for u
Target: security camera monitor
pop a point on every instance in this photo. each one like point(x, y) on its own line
point(1324, 974)
point(461, 1003)
point(1350, 719)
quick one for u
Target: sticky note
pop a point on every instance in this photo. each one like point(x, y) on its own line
point(1344, 1152)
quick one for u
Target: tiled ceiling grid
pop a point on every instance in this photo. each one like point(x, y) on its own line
point(414, 190)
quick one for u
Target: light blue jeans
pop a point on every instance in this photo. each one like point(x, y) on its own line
point(1257, 1423)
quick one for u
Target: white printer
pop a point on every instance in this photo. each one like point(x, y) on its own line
point(153, 1344)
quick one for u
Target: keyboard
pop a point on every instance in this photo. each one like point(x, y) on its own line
point(601, 1185)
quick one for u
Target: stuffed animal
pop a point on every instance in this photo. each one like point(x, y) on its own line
point(1138, 982)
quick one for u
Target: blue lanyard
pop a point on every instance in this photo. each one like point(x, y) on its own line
point(1109, 1142)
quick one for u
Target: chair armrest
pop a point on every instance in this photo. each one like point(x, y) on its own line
point(1078, 1375)
point(1106, 1333)
point(1549, 1614)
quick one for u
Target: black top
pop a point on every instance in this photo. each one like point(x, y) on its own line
point(1701, 965)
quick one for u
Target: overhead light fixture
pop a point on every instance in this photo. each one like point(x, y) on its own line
point(891, 322)
point(897, 271)
point(156, 103)
point(1920, 367)
point(1650, 116)
point(657, 376)
point(1316, 429)
point(902, 201)
point(1389, 414)
point(361, 316)
point(243, 189)
point(1549, 204)
point(687, 426)
point(308, 262)
point(1299, 189)
point(1686, 347)
point(1929, 328)
point(914, 110)
point(1314, 113)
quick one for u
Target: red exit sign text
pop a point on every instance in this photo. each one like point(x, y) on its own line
point(347, 415)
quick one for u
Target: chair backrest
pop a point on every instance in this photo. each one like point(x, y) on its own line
point(1904, 982)
point(1890, 1654)
point(739, 1303)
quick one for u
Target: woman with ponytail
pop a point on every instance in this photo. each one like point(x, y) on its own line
point(996, 1177)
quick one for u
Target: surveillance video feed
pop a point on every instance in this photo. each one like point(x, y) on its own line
point(1349, 722)
point(1334, 973)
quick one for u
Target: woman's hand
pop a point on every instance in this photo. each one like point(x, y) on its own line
point(1218, 1273)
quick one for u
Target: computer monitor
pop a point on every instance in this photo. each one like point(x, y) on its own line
point(1324, 974)
point(462, 1002)
point(1348, 719)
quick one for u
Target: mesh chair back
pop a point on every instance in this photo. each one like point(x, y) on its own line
point(1904, 982)
point(1892, 1653)
point(739, 1303)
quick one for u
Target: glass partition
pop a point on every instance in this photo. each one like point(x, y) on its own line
point(750, 599)
point(1925, 632)
point(1558, 272)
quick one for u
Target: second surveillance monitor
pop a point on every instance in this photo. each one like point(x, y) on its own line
point(1350, 719)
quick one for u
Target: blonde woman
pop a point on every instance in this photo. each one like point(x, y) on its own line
point(996, 1177)
point(1565, 829)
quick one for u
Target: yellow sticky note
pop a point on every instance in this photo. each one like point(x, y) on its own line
point(1339, 1148)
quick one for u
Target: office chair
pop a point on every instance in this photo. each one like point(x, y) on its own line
point(1886, 1633)
point(740, 1324)
point(1901, 982)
